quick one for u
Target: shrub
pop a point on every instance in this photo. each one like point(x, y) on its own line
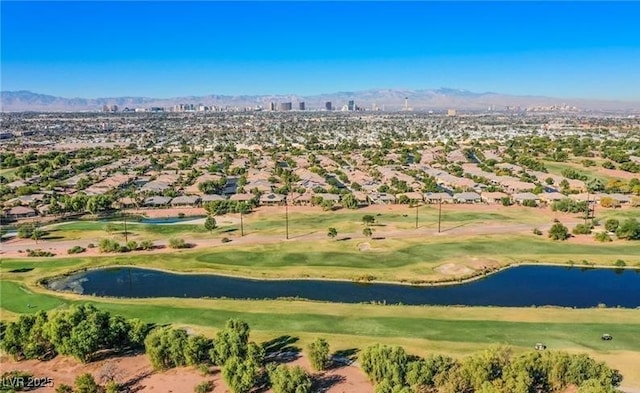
point(64, 388)
point(240, 375)
point(91, 245)
point(558, 232)
point(611, 225)
point(40, 253)
point(111, 387)
point(620, 263)
point(108, 245)
point(602, 237)
point(536, 231)
point(225, 240)
point(86, 384)
point(286, 379)
point(204, 387)
point(582, 229)
point(132, 245)
point(25, 231)
point(319, 354)
point(175, 242)
point(629, 229)
point(76, 250)
point(146, 245)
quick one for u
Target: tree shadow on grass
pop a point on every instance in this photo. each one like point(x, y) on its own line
point(344, 239)
point(302, 235)
point(281, 350)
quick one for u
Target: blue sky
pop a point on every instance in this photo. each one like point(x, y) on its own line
point(166, 49)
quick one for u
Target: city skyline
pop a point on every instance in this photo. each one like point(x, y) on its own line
point(165, 49)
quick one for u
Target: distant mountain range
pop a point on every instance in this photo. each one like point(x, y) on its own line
point(388, 99)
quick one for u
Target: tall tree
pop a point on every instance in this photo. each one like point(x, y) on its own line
point(210, 224)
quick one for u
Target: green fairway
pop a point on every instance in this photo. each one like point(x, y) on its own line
point(556, 168)
point(454, 330)
point(97, 229)
point(433, 326)
point(389, 259)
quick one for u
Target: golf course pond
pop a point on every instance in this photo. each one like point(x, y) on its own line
point(520, 286)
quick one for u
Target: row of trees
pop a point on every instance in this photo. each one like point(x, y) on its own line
point(496, 370)
point(80, 331)
point(628, 230)
point(243, 362)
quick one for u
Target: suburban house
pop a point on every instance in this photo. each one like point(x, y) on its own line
point(242, 197)
point(272, 199)
point(550, 197)
point(493, 197)
point(467, 197)
point(436, 197)
point(382, 198)
point(414, 197)
point(211, 198)
point(185, 200)
point(519, 198)
point(19, 212)
point(157, 201)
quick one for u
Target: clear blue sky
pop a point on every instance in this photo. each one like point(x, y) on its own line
point(166, 49)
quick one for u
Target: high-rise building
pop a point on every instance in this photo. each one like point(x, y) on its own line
point(327, 105)
point(301, 106)
point(351, 106)
point(452, 112)
point(272, 106)
point(285, 106)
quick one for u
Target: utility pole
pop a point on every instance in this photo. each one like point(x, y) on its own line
point(586, 213)
point(417, 216)
point(126, 235)
point(439, 213)
point(286, 218)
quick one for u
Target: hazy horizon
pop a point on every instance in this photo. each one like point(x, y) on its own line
point(585, 50)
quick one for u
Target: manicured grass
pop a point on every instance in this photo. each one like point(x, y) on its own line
point(389, 259)
point(425, 323)
point(96, 229)
point(556, 168)
point(17, 298)
point(453, 330)
point(9, 173)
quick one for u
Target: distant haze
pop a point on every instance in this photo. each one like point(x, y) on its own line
point(388, 99)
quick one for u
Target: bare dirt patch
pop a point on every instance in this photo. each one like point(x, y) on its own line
point(453, 269)
point(137, 374)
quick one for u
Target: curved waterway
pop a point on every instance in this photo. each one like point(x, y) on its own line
point(520, 286)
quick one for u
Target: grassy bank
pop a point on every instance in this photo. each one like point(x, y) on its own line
point(408, 259)
point(455, 330)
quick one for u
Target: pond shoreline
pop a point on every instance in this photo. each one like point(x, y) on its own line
point(524, 285)
point(446, 282)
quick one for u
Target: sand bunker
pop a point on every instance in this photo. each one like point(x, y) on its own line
point(364, 247)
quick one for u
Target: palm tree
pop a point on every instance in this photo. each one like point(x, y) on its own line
point(367, 232)
point(332, 232)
